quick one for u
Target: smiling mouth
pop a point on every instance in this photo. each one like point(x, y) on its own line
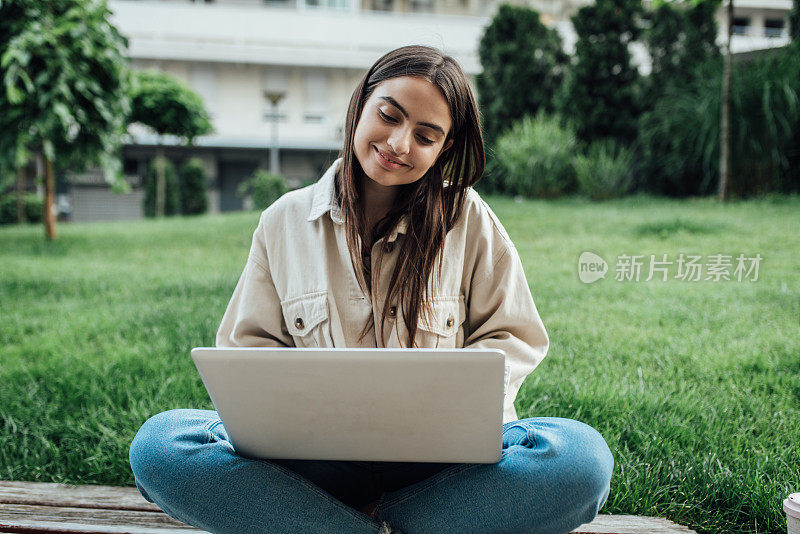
point(387, 159)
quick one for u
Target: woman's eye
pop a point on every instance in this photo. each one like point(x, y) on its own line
point(386, 117)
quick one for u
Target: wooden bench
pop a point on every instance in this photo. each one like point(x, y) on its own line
point(36, 507)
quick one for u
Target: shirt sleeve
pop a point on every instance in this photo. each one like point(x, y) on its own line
point(253, 317)
point(502, 315)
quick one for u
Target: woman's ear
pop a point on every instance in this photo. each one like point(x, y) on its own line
point(447, 145)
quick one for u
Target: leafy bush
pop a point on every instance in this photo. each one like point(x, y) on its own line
point(33, 206)
point(605, 171)
point(193, 187)
point(172, 198)
point(8, 209)
point(264, 188)
point(492, 179)
point(766, 102)
point(679, 138)
point(534, 159)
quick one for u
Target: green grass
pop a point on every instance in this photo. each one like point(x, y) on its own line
point(694, 385)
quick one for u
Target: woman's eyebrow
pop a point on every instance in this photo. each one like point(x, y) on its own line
point(396, 104)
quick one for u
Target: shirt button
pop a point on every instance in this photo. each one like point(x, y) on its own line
point(388, 247)
point(393, 311)
point(450, 322)
point(299, 322)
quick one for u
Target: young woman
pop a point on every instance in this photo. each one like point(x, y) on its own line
point(390, 248)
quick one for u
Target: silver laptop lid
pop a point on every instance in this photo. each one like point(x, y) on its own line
point(397, 405)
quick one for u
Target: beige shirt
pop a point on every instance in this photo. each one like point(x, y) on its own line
point(299, 288)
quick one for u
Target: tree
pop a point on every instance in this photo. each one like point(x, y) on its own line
point(601, 97)
point(64, 89)
point(167, 106)
point(523, 65)
point(193, 187)
point(682, 36)
point(724, 127)
point(794, 29)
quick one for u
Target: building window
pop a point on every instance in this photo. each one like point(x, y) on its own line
point(381, 5)
point(741, 25)
point(421, 6)
point(130, 166)
point(773, 27)
point(316, 96)
point(328, 4)
point(203, 79)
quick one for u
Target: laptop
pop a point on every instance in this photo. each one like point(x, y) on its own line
point(383, 405)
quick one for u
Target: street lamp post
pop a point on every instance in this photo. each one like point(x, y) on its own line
point(274, 97)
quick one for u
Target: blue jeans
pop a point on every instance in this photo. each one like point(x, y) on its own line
point(554, 475)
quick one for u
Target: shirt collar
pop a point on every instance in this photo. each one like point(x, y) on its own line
point(325, 201)
point(325, 196)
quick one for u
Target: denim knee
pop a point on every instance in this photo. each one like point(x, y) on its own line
point(152, 448)
point(596, 462)
point(579, 459)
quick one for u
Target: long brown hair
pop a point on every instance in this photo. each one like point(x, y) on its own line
point(434, 202)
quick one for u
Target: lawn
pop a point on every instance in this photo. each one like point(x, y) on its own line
point(695, 385)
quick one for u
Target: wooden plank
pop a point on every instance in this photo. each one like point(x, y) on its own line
point(38, 527)
point(53, 494)
point(631, 524)
point(51, 507)
point(33, 518)
point(54, 519)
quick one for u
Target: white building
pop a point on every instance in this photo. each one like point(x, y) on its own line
point(232, 52)
point(314, 52)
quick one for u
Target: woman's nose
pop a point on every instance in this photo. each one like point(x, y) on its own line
point(399, 141)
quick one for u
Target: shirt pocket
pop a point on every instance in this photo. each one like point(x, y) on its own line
point(445, 329)
point(308, 320)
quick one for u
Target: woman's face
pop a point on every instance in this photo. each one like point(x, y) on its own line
point(402, 130)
